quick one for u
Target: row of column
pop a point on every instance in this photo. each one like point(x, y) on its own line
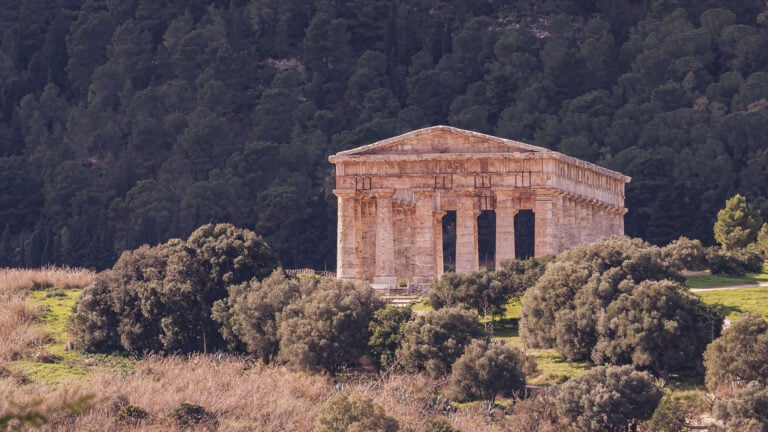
point(560, 222)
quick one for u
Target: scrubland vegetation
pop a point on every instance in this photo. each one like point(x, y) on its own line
point(208, 333)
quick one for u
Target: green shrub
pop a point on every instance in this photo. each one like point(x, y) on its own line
point(434, 341)
point(746, 410)
point(187, 414)
point(248, 316)
point(608, 399)
point(739, 356)
point(486, 370)
point(385, 329)
point(328, 327)
point(687, 254)
point(439, 425)
point(618, 301)
point(354, 414)
point(131, 414)
point(735, 262)
point(159, 299)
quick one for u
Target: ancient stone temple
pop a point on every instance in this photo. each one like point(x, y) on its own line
point(394, 193)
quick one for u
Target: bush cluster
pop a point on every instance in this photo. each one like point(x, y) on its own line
point(590, 302)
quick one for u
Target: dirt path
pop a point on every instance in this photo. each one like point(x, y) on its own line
point(725, 288)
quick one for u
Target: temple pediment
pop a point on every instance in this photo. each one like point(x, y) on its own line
point(440, 140)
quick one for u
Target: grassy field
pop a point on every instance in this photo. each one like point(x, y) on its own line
point(716, 281)
point(738, 301)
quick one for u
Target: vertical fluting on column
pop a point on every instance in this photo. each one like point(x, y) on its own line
point(505, 228)
point(367, 249)
point(346, 254)
point(467, 258)
point(437, 225)
point(385, 251)
point(589, 222)
point(542, 212)
point(557, 224)
point(571, 227)
point(425, 270)
point(582, 222)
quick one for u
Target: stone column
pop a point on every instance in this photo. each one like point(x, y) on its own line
point(570, 225)
point(385, 250)
point(425, 270)
point(544, 231)
point(467, 258)
point(589, 220)
point(438, 227)
point(346, 255)
point(505, 227)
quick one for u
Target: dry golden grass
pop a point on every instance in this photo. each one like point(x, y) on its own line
point(242, 397)
point(15, 280)
point(18, 331)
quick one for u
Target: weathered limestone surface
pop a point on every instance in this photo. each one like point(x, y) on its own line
point(394, 193)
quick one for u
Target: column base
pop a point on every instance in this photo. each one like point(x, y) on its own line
point(384, 282)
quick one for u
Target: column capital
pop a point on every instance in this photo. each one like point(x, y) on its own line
point(345, 193)
point(382, 193)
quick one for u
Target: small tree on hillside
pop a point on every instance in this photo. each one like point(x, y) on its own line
point(488, 369)
point(746, 410)
point(737, 224)
point(432, 342)
point(762, 241)
point(385, 333)
point(686, 253)
point(609, 399)
point(739, 356)
point(354, 414)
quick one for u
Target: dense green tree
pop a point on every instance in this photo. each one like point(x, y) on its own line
point(327, 328)
point(737, 224)
point(385, 328)
point(342, 413)
point(615, 302)
point(762, 240)
point(486, 370)
point(672, 93)
point(609, 399)
point(746, 410)
point(739, 355)
point(686, 253)
point(160, 299)
point(248, 315)
point(434, 341)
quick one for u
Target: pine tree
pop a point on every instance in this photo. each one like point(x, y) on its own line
point(737, 224)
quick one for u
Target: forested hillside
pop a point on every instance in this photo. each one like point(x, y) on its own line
point(130, 122)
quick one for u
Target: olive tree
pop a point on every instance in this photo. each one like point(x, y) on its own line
point(385, 331)
point(608, 399)
point(488, 369)
point(739, 356)
point(342, 413)
point(328, 327)
point(618, 301)
point(434, 341)
point(160, 299)
point(248, 316)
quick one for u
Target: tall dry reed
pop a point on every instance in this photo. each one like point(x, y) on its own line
point(14, 280)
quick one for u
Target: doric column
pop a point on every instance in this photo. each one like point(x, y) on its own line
point(570, 215)
point(589, 222)
point(385, 250)
point(467, 258)
point(505, 227)
point(558, 224)
point(544, 231)
point(425, 270)
point(346, 255)
point(582, 222)
point(438, 227)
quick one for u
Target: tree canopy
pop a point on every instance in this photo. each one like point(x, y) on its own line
point(131, 123)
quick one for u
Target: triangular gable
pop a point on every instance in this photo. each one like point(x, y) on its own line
point(441, 140)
